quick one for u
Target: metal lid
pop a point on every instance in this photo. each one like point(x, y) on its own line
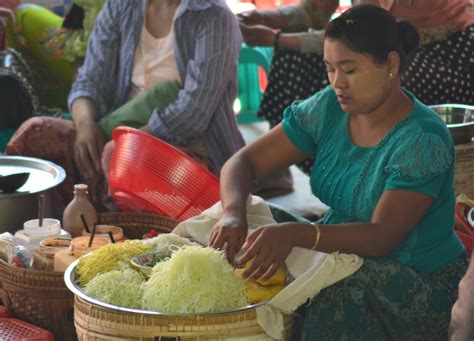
point(43, 174)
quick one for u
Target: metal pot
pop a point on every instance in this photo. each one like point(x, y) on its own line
point(460, 120)
point(22, 205)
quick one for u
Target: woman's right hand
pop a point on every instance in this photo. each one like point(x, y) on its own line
point(253, 17)
point(88, 148)
point(230, 229)
point(257, 35)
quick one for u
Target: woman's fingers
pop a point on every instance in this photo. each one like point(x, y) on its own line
point(233, 248)
point(270, 271)
point(250, 246)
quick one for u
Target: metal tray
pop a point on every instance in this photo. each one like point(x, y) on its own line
point(71, 283)
point(460, 120)
point(43, 174)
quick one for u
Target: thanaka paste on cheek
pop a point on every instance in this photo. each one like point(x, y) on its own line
point(367, 85)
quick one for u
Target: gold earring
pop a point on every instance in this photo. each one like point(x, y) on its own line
point(390, 75)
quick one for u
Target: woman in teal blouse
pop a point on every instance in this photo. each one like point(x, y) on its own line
point(384, 163)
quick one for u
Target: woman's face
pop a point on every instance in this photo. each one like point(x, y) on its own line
point(360, 84)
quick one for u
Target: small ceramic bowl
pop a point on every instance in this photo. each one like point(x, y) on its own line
point(50, 246)
point(103, 231)
point(80, 245)
point(147, 261)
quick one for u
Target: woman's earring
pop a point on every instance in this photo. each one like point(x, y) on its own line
point(390, 75)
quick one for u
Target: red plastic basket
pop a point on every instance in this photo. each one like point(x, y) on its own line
point(464, 229)
point(149, 175)
point(467, 240)
point(17, 330)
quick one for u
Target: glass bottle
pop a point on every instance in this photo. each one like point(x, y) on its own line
point(80, 204)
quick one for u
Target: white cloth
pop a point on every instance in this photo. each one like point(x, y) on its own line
point(312, 270)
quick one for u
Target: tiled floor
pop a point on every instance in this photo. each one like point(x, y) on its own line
point(301, 201)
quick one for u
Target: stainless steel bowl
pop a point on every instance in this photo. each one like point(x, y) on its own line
point(22, 205)
point(459, 119)
point(71, 283)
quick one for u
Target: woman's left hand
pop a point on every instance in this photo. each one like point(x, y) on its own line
point(268, 246)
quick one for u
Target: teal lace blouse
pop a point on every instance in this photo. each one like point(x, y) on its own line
point(415, 155)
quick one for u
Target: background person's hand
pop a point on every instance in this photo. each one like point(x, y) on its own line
point(253, 17)
point(268, 246)
point(88, 148)
point(230, 229)
point(257, 35)
point(6, 16)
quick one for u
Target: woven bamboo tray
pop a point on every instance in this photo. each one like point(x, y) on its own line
point(95, 323)
point(42, 298)
point(464, 176)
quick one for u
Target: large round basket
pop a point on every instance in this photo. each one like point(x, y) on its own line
point(96, 323)
point(464, 178)
point(42, 298)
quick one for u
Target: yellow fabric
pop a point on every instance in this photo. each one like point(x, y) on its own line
point(464, 198)
point(312, 270)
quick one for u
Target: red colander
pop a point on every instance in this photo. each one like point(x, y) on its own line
point(147, 174)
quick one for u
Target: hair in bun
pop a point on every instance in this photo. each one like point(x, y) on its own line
point(372, 30)
point(409, 36)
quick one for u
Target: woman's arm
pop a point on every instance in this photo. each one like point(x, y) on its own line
point(302, 24)
point(97, 78)
point(395, 215)
point(305, 42)
point(462, 314)
point(93, 89)
point(238, 177)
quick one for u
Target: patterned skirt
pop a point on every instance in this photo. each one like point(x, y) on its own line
point(439, 73)
point(385, 300)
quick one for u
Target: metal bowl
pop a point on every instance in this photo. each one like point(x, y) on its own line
point(71, 283)
point(460, 120)
point(22, 205)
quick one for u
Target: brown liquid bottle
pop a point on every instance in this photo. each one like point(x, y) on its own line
point(72, 222)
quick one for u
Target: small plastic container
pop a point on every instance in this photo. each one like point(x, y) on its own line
point(16, 330)
point(32, 243)
point(21, 257)
point(49, 227)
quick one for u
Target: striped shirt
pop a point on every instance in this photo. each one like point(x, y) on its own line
point(207, 45)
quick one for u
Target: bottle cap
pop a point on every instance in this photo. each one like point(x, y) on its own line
point(80, 188)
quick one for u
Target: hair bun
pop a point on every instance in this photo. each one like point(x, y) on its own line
point(409, 36)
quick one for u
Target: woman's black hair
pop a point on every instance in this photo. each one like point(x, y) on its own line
point(372, 30)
